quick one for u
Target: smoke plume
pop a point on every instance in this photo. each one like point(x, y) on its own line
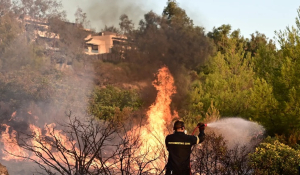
point(103, 12)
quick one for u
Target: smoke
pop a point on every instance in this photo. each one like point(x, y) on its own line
point(104, 12)
point(237, 131)
point(69, 94)
point(37, 89)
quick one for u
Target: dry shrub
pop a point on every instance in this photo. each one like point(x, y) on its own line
point(213, 156)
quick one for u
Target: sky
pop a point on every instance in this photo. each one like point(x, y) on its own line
point(264, 16)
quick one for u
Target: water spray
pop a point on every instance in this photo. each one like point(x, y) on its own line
point(235, 130)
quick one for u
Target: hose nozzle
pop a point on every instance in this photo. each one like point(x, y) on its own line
point(201, 125)
point(204, 125)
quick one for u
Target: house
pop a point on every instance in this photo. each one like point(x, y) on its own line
point(102, 43)
point(96, 44)
point(39, 27)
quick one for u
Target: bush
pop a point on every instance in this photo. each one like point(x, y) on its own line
point(214, 156)
point(273, 157)
point(107, 102)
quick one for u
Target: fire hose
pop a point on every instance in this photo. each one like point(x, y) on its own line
point(193, 134)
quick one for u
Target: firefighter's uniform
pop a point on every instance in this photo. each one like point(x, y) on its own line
point(179, 146)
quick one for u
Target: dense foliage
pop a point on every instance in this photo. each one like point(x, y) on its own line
point(107, 102)
point(273, 157)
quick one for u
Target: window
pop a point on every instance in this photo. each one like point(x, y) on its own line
point(94, 48)
point(115, 42)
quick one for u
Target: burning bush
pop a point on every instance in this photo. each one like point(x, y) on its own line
point(92, 147)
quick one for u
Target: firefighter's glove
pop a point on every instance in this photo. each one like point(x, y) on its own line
point(201, 126)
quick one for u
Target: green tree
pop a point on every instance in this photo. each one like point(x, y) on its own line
point(259, 41)
point(126, 25)
point(106, 102)
point(230, 81)
point(266, 60)
point(263, 106)
point(226, 40)
point(176, 16)
point(281, 70)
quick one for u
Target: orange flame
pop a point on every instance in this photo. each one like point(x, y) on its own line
point(64, 140)
point(12, 151)
point(13, 115)
point(11, 146)
point(159, 114)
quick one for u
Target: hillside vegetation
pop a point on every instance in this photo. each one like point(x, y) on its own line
point(216, 72)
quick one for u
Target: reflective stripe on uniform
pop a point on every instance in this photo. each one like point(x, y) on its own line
point(197, 140)
point(179, 143)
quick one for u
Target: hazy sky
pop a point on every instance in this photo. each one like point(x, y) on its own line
point(249, 16)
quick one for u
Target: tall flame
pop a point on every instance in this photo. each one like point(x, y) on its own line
point(159, 115)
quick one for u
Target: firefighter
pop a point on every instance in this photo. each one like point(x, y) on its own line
point(179, 146)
